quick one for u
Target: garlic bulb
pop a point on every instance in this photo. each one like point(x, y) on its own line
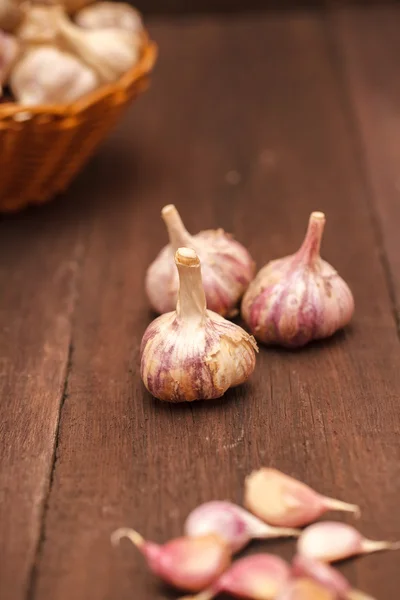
point(39, 25)
point(193, 353)
point(9, 50)
point(109, 52)
point(298, 298)
point(46, 75)
point(117, 15)
point(10, 15)
point(227, 267)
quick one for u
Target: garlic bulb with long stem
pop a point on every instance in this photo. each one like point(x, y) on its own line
point(227, 267)
point(298, 298)
point(9, 50)
point(193, 353)
point(109, 52)
point(46, 75)
point(117, 15)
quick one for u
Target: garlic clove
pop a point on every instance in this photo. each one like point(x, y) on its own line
point(327, 576)
point(283, 501)
point(226, 265)
point(306, 589)
point(330, 541)
point(193, 353)
point(298, 298)
point(9, 51)
point(231, 523)
point(109, 52)
point(190, 564)
point(46, 75)
point(256, 577)
point(117, 15)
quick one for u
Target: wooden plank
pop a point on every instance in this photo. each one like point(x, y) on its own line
point(39, 255)
point(258, 96)
point(370, 45)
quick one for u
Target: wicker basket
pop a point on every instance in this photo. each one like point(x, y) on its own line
point(42, 148)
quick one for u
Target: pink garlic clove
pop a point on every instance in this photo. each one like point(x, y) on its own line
point(306, 589)
point(327, 576)
point(285, 502)
point(226, 265)
point(256, 577)
point(330, 541)
point(233, 524)
point(190, 564)
point(298, 298)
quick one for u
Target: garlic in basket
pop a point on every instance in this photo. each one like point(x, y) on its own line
point(46, 75)
point(109, 52)
point(193, 353)
point(38, 25)
point(9, 50)
point(117, 15)
point(226, 265)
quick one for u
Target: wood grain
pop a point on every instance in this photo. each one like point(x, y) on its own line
point(38, 271)
point(369, 45)
point(260, 97)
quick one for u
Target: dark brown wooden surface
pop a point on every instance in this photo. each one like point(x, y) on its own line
point(299, 107)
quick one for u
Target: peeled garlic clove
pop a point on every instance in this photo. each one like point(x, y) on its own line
point(233, 524)
point(46, 75)
point(10, 15)
point(226, 265)
point(327, 576)
point(193, 353)
point(190, 564)
point(285, 502)
point(256, 577)
point(39, 25)
point(109, 52)
point(298, 298)
point(117, 15)
point(330, 541)
point(9, 51)
point(306, 589)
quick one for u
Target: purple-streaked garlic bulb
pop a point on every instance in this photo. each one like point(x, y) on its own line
point(327, 576)
point(298, 298)
point(189, 564)
point(227, 267)
point(117, 15)
point(256, 577)
point(233, 524)
point(9, 50)
point(283, 501)
point(330, 541)
point(306, 589)
point(192, 353)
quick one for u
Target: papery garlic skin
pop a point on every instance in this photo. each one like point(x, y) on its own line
point(9, 51)
point(227, 267)
point(46, 75)
point(117, 15)
point(193, 353)
point(109, 52)
point(38, 25)
point(298, 298)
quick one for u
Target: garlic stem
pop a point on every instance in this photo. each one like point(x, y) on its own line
point(178, 234)
point(310, 248)
point(126, 532)
point(333, 504)
point(191, 297)
point(370, 546)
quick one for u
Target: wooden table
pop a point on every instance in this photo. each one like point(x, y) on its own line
point(304, 108)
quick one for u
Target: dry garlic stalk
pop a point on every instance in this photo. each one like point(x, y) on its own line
point(298, 298)
point(46, 75)
point(109, 52)
point(193, 353)
point(9, 50)
point(117, 15)
point(226, 265)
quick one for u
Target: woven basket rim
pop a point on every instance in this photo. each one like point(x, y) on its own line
point(146, 63)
